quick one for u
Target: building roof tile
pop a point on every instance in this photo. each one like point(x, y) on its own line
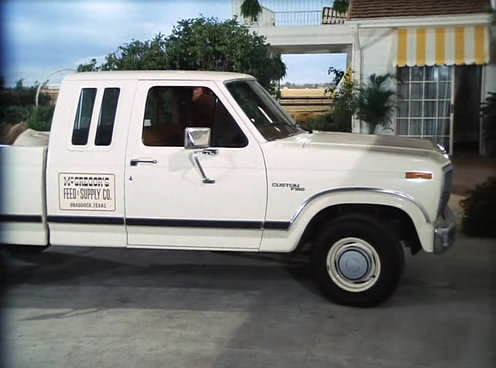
point(415, 8)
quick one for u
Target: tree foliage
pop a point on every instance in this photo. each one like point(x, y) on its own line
point(16, 103)
point(139, 55)
point(337, 75)
point(344, 103)
point(372, 102)
point(200, 44)
point(346, 100)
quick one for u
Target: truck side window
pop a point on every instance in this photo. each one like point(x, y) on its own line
point(106, 120)
point(83, 116)
point(169, 110)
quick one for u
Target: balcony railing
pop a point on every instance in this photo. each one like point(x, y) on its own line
point(281, 13)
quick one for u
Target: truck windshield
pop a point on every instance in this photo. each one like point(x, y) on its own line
point(262, 110)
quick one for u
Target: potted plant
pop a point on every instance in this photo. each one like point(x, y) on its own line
point(251, 9)
point(341, 6)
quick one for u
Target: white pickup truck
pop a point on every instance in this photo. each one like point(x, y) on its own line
point(209, 161)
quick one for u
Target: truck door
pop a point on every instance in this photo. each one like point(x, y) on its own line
point(85, 165)
point(168, 201)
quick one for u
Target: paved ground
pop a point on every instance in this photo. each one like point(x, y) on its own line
point(82, 307)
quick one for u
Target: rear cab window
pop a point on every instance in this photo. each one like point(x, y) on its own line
point(106, 116)
point(106, 119)
point(84, 112)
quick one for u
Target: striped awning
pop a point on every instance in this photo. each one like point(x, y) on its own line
point(442, 46)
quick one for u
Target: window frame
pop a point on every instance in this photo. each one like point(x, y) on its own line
point(100, 86)
point(76, 113)
point(100, 110)
point(213, 88)
point(409, 117)
point(289, 121)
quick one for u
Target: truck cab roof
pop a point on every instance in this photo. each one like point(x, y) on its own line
point(158, 75)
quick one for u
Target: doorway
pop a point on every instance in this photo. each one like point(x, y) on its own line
point(466, 119)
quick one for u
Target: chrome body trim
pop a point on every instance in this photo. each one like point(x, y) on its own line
point(444, 231)
point(361, 189)
point(446, 188)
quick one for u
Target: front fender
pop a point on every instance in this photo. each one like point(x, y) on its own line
point(287, 241)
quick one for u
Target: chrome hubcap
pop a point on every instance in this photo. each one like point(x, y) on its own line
point(353, 264)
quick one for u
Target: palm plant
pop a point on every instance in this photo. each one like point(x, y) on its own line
point(376, 102)
point(251, 9)
point(341, 6)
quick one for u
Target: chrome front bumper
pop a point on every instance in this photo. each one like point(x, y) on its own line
point(444, 231)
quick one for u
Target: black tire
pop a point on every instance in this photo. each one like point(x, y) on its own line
point(385, 255)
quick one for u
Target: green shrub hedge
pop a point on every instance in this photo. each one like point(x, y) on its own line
point(328, 122)
point(479, 217)
point(40, 118)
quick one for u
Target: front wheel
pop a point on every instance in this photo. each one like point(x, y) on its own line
point(357, 261)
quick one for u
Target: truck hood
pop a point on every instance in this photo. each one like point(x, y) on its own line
point(364, 141)
point(332, 150)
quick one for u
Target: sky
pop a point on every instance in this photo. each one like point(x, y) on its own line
point(43, 36)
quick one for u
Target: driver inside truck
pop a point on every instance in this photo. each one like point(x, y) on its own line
point(203, 107)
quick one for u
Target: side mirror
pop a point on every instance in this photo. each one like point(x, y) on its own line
point(196, 138)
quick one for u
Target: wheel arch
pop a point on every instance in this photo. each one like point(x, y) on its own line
point(404, 226)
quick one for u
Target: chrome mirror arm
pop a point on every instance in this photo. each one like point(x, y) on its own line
point(207, 151)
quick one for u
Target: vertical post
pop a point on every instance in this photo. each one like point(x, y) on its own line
point(452, 111)
point(356, 62)
point(483, 92)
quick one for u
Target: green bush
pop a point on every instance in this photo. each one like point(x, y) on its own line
point(479, 217)
point(41, 118)
point(17, 103)
point(14, 114)
point(329, 122)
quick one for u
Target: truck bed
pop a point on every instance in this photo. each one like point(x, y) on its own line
point(22, 193)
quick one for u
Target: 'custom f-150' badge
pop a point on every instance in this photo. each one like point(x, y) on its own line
point(292, 186)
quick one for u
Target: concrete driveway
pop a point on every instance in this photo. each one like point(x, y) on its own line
point(82, 307)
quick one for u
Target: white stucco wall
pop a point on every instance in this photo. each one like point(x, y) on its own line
point(378, 52)
point(377, 55)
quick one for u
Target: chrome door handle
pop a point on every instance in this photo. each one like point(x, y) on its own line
point(136, 161)
point(210, 151)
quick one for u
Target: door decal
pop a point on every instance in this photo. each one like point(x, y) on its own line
point(86, 192)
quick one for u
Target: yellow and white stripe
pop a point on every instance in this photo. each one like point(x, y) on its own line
point(442, 46)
